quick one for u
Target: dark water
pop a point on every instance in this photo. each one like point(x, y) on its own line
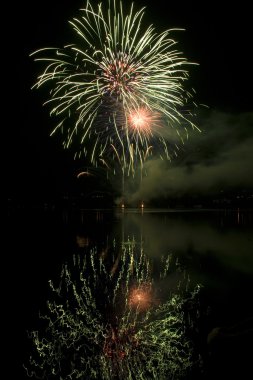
point(215, 247)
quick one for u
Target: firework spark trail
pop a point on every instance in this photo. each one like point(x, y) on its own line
point(99, 326)
point(115, 71)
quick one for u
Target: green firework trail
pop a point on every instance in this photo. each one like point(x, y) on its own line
point(117, 92)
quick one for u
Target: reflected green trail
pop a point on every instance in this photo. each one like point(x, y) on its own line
point(112, 316)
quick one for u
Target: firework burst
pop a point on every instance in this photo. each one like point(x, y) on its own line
point(113, 324)
point(119, 90)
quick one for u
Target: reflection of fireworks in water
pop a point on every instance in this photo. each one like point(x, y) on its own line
point(141, 296)
point(121, 85)
point(111, 324)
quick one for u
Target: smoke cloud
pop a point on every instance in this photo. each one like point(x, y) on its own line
point(218, 158)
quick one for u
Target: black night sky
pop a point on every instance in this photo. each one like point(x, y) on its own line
point(217, 35)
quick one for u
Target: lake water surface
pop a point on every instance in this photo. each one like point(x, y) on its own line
point(214, 248)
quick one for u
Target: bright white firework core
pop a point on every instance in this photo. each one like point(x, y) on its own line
point(140, 119)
